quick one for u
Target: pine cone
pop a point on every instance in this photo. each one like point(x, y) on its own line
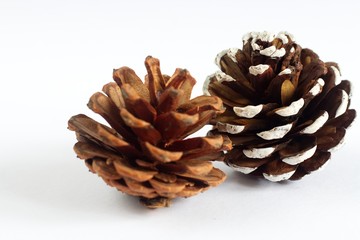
point(286, 109)
point(144, 152)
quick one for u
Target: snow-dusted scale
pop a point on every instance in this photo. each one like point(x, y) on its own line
point(317, 124)
point(337, 147)
point(350, 92)
point(322, 166)
point(272, 51)
point(220, 77)
point(292, 38)
point(249, 111)
point(249, 35)
point(292, 109)
point(276, 132)
point(317, 88)
point(343, 105)
point(337, 75)
point(268, 37)
point(245, 170)
point(231, 52)
point(299, 158)
point(229, 128)
point(254, 45)
point(258, 152)
point(282, 36)
point(278, 178)
point(262, 36)
point(258, 69)
point(285, 71)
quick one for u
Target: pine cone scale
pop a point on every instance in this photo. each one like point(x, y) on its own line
point(167, 178)
point(330, 137)
point(278, 171)
point(156, 82)
point(141, 128)
point(160, 155)
point(132, 189)
point(200, 104)
point(130, 171)
point(137, 105)
point(105, 169)
point(127, 75)
point(103, 106)
point(173, 124)
point(167, 189)
point(86, 150)
point(346, 119)
point(213, 178)
point(139, 188)
point(197, 167)
point(298, 145)
point(231, 69)
point(170, 100)
point(112, 90)
point(100, 134)
point(182, 80)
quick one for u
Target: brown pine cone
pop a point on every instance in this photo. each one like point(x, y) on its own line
point(144, 152)
point(286, 110)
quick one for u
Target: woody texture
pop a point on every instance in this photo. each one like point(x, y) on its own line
point(144, 150)
point(286, 109)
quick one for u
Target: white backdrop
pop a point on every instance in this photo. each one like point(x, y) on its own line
point(55, 54)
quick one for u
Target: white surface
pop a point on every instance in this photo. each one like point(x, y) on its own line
point(292, 109)
point(258, 69)
point(278, 178)
point(299, 158)
point(249, 111)
point(258, 152)
point(316, 124)
point(277, 132)
point(55, 54)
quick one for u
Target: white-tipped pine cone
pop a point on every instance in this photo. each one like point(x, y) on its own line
point(286, 110)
